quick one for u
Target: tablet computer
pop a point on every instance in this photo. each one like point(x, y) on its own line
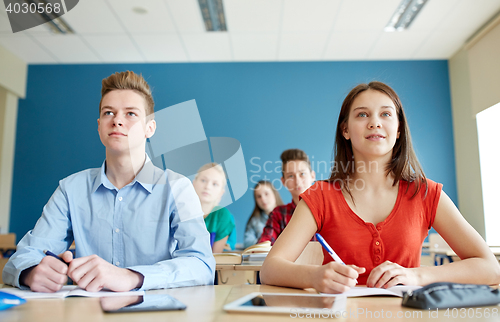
point(293, 304)
point(141, 303)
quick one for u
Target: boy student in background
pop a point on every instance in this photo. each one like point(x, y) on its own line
point(297, 177)
point(134, 225)
point(377, 227)
point(209, 184)
point(266, 199)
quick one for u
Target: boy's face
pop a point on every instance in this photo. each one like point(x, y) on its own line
point(122, 124)
point(297, 177)
point(209, 186)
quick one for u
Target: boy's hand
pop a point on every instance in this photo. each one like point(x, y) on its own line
point(93, 273)
point(389, 274)
point(335, 277)
point(48, 276)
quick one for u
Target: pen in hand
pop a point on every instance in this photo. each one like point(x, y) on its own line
point(49, 253)
point(327, 247)
point(330, 251)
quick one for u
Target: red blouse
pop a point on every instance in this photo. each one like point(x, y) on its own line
point(398, 238)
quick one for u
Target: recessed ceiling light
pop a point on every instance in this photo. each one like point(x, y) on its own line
point(212, 12)
point(140, 10)
point(405, 13)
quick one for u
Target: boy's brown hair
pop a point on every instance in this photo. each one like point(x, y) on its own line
point(293, 155)
point(132, 81)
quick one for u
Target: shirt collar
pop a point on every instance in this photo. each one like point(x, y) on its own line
point(147, 177)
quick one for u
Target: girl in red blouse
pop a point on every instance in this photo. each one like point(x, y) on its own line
point(376, 210)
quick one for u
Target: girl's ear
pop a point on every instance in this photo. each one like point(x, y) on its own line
point(345, 132)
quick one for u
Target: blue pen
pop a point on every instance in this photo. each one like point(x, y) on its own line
point(49, 253)
point(327, 247)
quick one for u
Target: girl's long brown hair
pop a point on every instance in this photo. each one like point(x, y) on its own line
point(256, 210)
point(404, 163)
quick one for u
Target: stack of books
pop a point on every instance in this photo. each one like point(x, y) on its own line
point(252, 254)
point(257, 252)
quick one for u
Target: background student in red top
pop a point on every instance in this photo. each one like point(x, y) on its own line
point(297, 176)
point(376, 212)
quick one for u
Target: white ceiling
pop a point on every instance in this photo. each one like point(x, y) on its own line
point(108, 31)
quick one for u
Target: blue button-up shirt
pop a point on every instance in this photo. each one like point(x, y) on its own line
point(154, 226)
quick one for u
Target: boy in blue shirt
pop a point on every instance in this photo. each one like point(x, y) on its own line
point(134, 225)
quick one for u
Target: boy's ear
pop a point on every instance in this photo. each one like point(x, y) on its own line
point(313, 175)
point(150, 128)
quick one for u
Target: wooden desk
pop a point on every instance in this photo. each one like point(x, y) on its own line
point(204, 303)
point(235, 274)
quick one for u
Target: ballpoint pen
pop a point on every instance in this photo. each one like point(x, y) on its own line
point(49, 253)
point(327, 247)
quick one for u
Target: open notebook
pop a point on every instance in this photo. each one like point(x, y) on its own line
point(359, 291)
point(65, 291)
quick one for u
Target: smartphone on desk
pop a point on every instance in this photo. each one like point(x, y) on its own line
point(141, 303)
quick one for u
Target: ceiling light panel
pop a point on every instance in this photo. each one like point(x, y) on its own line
point(404, 15)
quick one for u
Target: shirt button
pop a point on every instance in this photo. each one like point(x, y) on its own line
point(377, 243)
point(377, 251)
point(375, 235)
point(117, 264)
point(377, 258)
point(379, 228)
point(120, 198)
point(117, 230)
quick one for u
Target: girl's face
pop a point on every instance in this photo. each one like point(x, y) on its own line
point(265, 198)
point(373, 125)
point(209, 186)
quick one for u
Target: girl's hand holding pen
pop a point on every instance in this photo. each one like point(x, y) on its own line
point(335, 277)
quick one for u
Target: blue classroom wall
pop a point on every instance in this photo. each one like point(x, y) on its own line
point(268, 107)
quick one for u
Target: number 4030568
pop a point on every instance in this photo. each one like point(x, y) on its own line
point(33, 8)
point(471, 313)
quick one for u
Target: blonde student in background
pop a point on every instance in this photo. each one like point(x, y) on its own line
point(297, 176)
point(376, 212)
point(209, 184)
point(266, 199)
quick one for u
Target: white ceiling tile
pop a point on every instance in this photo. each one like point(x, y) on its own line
point(432, 14)
point(92, 16)
point(157, 18)
point(397, 45)
point(365, 15)
point(254, 47)
point(186, 15)
point(114, 48)
point(350, 45)
point(26, 48)
point(209, 46)
point(302, 46)
point(440, 45)
point(253, 15)
point(68, 48)
point(161, 47)
point(468, 15)
point(259, 30)
point(311, 15)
